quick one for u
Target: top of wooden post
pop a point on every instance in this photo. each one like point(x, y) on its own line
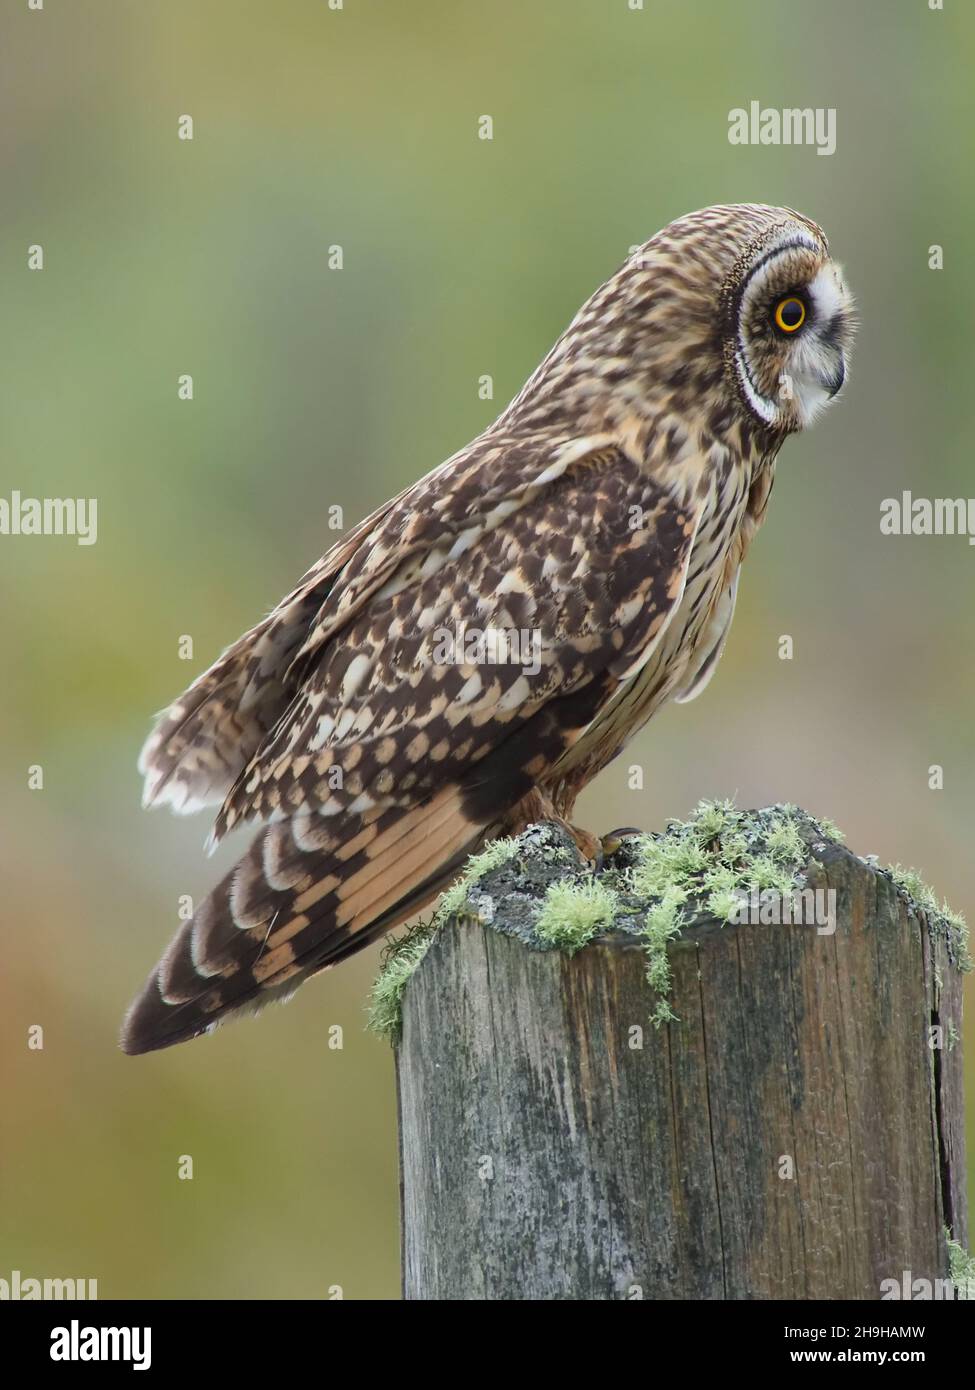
point(721, 868)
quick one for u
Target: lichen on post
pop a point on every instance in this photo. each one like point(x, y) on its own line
point(728, 1065)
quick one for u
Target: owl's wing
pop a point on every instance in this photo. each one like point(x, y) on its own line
point(256, 692)
point(207, 736)
point(544, 597)
point(204, 739)
point(389, 766)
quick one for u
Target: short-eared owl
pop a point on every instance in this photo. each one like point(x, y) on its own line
point(606, 512)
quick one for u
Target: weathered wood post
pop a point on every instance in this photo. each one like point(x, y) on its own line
point(795, 1131)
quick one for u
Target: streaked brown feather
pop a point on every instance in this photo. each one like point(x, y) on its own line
point(247, 947)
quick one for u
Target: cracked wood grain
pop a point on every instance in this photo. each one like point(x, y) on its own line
point(793, 1135)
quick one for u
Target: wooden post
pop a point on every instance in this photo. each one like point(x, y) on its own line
point(797, 1133)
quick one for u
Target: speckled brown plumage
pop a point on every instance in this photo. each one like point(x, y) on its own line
point(607, 512)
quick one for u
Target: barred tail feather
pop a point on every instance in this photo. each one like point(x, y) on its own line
point(307, 894)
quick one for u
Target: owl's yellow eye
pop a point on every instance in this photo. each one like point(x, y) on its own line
point(790, 314)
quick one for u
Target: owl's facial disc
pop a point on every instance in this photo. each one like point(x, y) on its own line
point(793, 328)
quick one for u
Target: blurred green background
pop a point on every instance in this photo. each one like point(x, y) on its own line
point(314, 388)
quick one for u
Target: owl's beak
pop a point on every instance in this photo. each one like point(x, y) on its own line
point(832, 341)
point(833, 382)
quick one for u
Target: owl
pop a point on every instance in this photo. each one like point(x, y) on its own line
point(382, 723)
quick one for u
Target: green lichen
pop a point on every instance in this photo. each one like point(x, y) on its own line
point(784, 843)
point(663, 923)
point(961, 1267)
point(722, 903)
point(710, 820)
point(921, 897)
point(573, 912)
point(704, 866)
point(402, 956)
point(707, 867)
point(914, 886)
point(769, 875)
point(831, 831)
point(498, 852)
point(400, 960)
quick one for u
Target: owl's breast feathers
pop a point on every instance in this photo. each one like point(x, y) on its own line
point(724, 493)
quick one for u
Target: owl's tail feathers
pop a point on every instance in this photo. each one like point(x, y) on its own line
point(308, 893)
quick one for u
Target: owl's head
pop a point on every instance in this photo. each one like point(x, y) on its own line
point(739, 310)
point(733, 320)
point(787, 321)
point(748, 304)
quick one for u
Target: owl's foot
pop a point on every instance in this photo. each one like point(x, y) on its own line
point(588, 845)
point(612, 842)
point(596, 849)
point(537, 806)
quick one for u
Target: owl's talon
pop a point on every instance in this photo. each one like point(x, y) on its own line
point(611, 843)
point(596, 849)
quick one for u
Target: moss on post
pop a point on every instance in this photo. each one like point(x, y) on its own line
point(707, 868)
